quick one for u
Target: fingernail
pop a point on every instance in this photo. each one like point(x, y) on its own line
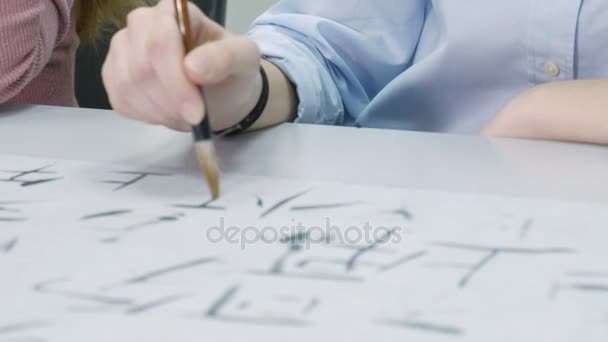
point(192, 113)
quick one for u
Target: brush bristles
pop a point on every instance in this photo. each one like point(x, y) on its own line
point(205, 152)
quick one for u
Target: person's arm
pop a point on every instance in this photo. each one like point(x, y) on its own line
point(574, 111)
point(339, 55)
point(336, 59)
point(29, 32)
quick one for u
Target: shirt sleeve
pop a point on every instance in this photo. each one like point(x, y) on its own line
point(29, 32)
point(339, 54)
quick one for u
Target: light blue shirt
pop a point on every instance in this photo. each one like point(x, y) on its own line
point(430, 65)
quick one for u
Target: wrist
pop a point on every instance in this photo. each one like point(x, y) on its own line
point(254, 96)
point(233, 114)
point(254, 113)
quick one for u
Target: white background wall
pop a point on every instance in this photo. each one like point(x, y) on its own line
point(242, 12)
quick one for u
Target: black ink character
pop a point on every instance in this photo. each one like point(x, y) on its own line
point(15, 331)
point(348, 264)
point(283, 202)
point(129, 306)
point(31, 177)
point(120, 221)
point(137, 176)
point(526, 227)
point(208, 205)
point(122, 214)
point(21, 326)
point(401, 212)
point(325, 206)
point(492, 252)
point(169, 270)
point(104, 214)
point(234, 307)
point(10, 211)
point(583, 281)
point(9, 245)
point(153, 222)
point(423, 326)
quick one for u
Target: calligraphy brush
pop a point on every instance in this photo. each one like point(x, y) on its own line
point(203, 142)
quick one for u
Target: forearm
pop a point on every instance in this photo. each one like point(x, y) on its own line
point(568, 111)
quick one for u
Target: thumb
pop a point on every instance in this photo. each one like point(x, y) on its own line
point(216, 61)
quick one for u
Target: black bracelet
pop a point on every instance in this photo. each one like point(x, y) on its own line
point(255, 113)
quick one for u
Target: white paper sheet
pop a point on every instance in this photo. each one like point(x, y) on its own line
point(97, 252)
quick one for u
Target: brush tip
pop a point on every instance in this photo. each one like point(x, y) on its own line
point(205, 152)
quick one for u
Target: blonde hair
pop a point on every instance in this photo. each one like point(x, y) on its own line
point(93, 15)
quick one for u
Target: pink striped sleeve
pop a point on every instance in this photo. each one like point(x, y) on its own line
point(29, 32)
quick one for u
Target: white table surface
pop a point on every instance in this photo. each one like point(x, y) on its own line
point(368, 156)
point(380, 157)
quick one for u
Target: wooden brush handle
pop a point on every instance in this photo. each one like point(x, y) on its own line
point(183, 20)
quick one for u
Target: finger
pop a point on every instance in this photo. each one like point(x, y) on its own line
point(124, 92)
point(214, 62)
point(115, 73)
point(141, 44)
point(165, 53)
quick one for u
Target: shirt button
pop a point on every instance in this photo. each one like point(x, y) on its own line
point(552, 69)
